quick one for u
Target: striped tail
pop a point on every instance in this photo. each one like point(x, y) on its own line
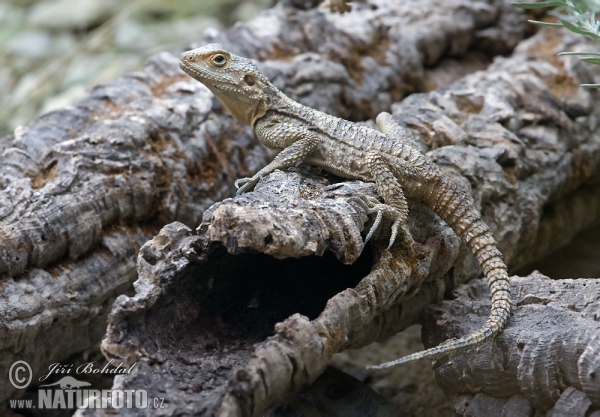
point(454, 208)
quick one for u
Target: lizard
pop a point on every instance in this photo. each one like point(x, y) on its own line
point(353, 151)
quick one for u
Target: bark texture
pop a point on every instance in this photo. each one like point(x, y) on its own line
point(521, 136)
point(547, 360)
point(83, 187)
point(356, 65)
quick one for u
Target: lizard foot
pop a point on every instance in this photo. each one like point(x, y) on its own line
point(399, 227)
point(246, 184)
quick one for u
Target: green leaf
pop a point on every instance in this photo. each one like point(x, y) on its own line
point(591, 85)
point(540, 5)
point(580, 53)
point(574, 28)
point(595, 61)
point(537, 22)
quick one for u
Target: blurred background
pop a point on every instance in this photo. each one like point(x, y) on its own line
point(53, 51)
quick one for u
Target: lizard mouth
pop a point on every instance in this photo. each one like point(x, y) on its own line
point(188, 68)
point(204, 77)
point(195, 72)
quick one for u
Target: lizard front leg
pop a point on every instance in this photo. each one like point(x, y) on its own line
point(304, 143)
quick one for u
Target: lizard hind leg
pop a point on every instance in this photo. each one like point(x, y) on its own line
point(456, 209)
point(395, 206)
point(387, 126)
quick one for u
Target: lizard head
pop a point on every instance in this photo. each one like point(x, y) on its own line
point(234, 80)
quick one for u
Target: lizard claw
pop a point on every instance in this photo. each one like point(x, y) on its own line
point(245, 184)
point(375, 226)
point(240, 181)
point(371, 205)
point(395, 228)
point(400, 228)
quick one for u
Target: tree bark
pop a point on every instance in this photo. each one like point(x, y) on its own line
point(547, 360)
point(203, 299)
point(84, 187)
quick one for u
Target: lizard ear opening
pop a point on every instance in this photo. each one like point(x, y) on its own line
point(249, 80)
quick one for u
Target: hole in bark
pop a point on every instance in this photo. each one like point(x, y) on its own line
point(521, 345)
point(270, 290)
point(281, 409)
point(249, 294)
point(337, 390)
point(268, 239)
point(449, 291)
point(574, 111)
point(152, 260)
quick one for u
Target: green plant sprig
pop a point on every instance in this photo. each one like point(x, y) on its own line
point(579, 16)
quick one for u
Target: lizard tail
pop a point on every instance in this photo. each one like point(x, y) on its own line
point(454, 208)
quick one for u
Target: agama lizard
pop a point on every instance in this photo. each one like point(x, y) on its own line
point(355, 151)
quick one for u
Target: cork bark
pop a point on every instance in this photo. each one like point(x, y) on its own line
point(551, 366)
point(529, 157)
point(82, 189)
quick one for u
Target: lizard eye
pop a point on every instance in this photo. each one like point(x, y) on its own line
point(218, 60)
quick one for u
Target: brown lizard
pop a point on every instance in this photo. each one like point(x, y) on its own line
point(354, 151)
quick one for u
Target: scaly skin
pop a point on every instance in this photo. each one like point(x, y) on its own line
point(352, 151)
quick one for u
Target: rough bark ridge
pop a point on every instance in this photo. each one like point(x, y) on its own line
point(83, 187)
point(86, 186)
point(522, 136)
point(357, 64)
point(549, 358)
point(209, 308)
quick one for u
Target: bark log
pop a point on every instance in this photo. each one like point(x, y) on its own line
point(521, 137)
point(358, 64)
point(83, 187)
point(154, 147)
point(548, 360)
